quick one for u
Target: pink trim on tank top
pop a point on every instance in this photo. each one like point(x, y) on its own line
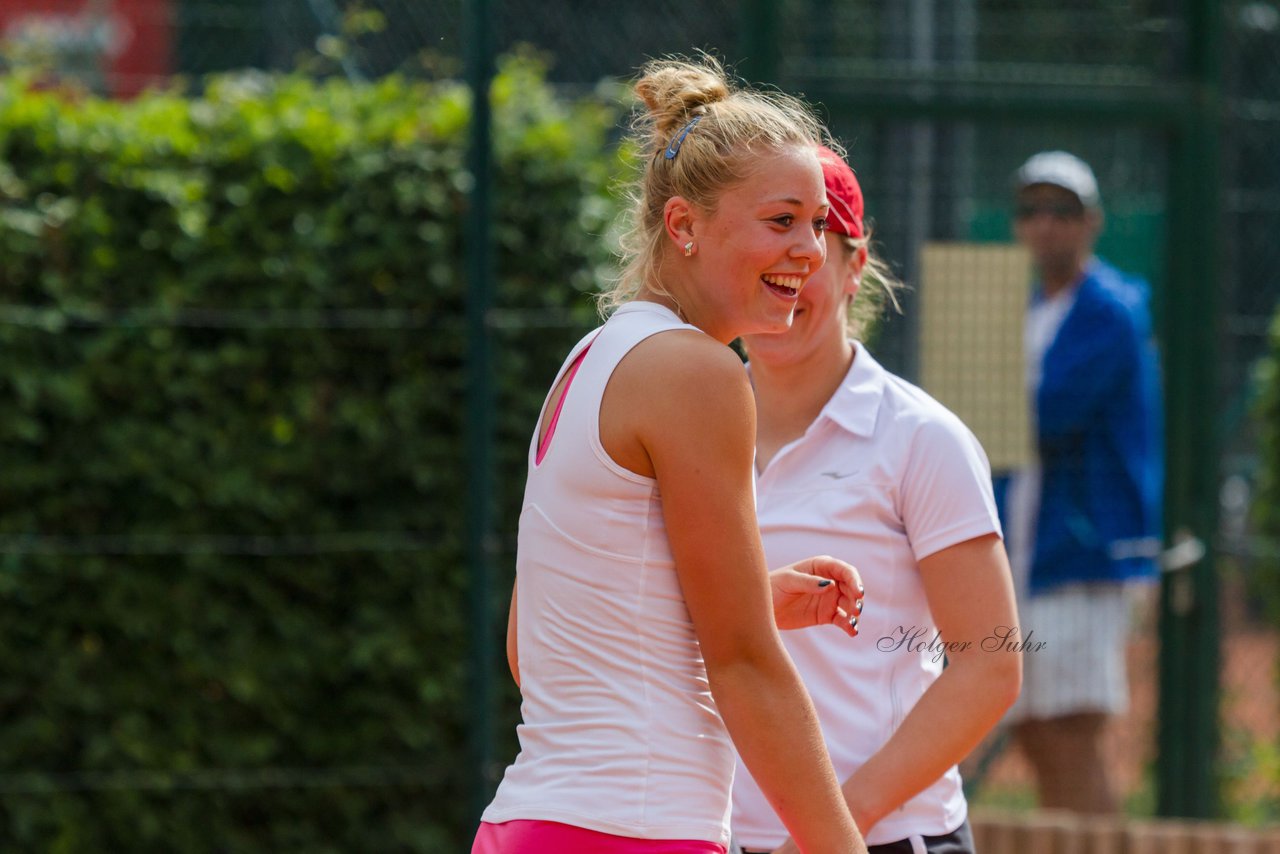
point(555, 416)
point(527, 836)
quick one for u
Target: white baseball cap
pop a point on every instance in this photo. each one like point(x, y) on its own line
point(1061, 169)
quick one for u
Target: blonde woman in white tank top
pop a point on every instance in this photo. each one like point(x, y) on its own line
point(644, 624)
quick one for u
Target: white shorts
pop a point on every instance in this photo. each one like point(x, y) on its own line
point(1075, 655)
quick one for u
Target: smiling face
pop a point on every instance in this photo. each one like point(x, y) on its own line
point(819, 328)
point(758, 248)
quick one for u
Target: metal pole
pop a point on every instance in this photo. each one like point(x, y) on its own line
point(908, 149)
point(962, 136)
point(479, 413)
point(820, 35)
point(1189, 652)
point(761, 58)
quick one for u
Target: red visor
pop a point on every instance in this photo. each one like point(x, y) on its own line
point(844, 195)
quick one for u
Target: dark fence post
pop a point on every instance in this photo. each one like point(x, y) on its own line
point(480, 401)
point(759, 48)
point(1189, 646)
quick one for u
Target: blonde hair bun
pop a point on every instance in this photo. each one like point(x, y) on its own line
point(673, 91)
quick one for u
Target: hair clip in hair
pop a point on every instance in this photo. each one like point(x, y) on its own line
point(674, 148)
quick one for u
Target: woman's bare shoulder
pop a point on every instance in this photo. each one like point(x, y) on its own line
point(685, 356)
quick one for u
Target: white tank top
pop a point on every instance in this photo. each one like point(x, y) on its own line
point(620, 732)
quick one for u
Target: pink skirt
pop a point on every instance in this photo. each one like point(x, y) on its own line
point(538, 837)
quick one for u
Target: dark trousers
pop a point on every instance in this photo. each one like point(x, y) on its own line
point(959, 841)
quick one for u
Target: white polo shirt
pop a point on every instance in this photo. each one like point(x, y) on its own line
point(884, 477)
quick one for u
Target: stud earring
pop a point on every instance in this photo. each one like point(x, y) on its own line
point(688, 249)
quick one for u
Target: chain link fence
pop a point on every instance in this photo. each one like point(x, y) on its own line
point(929, 177)
point(1250, 710)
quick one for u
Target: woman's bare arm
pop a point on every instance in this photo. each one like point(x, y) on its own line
point(971, 596)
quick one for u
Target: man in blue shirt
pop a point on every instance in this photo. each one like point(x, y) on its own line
point(1083, 521)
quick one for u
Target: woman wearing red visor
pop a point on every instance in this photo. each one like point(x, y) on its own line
point(854, 462)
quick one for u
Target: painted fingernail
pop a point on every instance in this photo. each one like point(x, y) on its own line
point(824, 582)
point(858, 605)
point(853, 623)
point(861, 589)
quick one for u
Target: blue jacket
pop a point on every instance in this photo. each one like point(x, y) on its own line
point(1100, 438)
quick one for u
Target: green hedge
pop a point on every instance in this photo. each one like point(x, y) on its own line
point(232, 582)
